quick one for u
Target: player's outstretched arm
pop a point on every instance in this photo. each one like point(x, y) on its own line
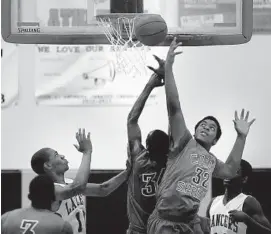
point(79, 183)
point(108, 187)
point(134, 132)
point(177, 128)
point(229, 169)
point(253, 216)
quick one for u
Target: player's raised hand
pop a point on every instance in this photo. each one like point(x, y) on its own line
point(242, 125)
point(160, 71)
point(171, 52)
point(84, 142)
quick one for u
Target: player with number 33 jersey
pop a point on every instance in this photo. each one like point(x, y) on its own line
point(147, 164)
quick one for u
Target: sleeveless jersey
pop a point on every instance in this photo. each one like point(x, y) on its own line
point(31, 220)
point(73, 210)
point(142, 186)
point(219, 215)
point(185, 182)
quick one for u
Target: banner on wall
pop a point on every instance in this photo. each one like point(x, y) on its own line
point(74, 75)
point(262, 16)
point(9, 74)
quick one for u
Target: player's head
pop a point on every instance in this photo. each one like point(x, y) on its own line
point(241, 177)
point(47, 160)
point(42, 192)
point(208, 131)
point(157, 143)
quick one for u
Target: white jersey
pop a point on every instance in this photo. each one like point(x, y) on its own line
point(219, 216)
point(73, 210)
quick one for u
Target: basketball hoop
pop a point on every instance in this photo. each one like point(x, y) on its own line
point(131, 55)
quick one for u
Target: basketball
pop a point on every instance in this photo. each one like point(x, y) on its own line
point(150, 29)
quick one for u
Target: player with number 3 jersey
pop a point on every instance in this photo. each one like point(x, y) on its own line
point(70, 200)
point(147, 164)
point(38, 218)
point(190, 164)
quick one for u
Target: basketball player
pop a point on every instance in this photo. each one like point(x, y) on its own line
point(38, 218)
point(69, 193)
point(190, 164)
point(235, 212)
point(148, 164)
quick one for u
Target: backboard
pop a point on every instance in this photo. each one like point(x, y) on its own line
point(195, 22)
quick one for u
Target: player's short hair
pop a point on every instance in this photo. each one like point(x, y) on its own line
point(218, 132)
point(246, 168)
point(158, 142)
point(38, 160)
point(42, 192)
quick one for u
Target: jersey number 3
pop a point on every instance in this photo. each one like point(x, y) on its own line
point(28, 226)
point(151, 182)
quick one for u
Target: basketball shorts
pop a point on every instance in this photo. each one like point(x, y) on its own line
point(158, 225)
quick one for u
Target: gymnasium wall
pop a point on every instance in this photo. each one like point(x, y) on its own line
point(211, 80)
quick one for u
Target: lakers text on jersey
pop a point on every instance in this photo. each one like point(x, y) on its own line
point(73, 210)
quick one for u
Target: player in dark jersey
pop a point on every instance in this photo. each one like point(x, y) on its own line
point(190, 164)
point(237, 212)
point(69, 193)
point(148, 164)
point(38, 218)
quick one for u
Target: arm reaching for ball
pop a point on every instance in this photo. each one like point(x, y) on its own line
point(178, 132)
point(134, 132)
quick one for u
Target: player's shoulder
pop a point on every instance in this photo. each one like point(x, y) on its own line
point(141, 159)
point(251, 204)
point(67, 182)
point(66, 228)
point(14, 212)
point(216, 199)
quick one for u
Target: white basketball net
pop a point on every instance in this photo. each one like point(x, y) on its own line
point(131, 55)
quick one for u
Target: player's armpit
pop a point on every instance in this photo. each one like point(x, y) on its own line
point(63, 193)
point(222, 170)
point(257, 222)
point(178, 138)
point(67, 228)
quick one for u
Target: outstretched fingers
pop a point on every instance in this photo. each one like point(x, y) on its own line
point(176, 53)
point(242, 114)
point(160, 61)
point(236, 116)
point(151, 68)
point(251, 122)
